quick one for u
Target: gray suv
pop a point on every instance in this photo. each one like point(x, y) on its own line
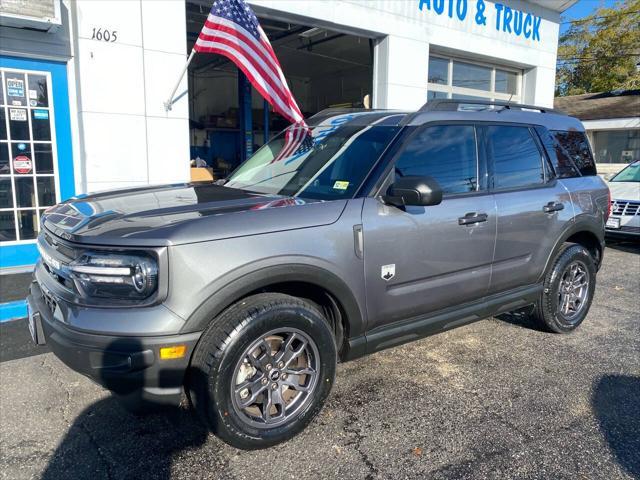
point(367, 230)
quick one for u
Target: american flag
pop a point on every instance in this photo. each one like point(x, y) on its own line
point(233, 30)
point(297, 141)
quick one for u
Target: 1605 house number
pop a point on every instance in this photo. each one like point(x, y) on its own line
point(104, 35)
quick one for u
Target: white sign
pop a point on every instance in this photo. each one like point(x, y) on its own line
point(18, 114)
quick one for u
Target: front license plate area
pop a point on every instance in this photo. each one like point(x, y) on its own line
point(613, 222)
point(35, 326)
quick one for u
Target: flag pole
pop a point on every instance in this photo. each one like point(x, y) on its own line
point(169, 103)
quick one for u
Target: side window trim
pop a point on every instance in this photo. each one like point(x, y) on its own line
point(547, 168)
point(386, 176)
point(490, 162)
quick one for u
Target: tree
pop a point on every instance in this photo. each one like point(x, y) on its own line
point(601, 52)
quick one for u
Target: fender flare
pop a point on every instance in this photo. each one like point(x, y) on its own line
point(582, 223)
point(264, 277)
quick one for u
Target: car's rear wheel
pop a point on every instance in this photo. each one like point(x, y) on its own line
point(568, 290)
point(263, 370)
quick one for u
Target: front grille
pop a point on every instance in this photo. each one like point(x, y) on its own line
point(50, 301)
point(625, 208)
point(60, 247)
point(57, 255)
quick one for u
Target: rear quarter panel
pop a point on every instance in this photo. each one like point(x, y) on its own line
point(590, 198)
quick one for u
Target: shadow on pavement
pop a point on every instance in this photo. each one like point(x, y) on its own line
point(623, 246)
point(616, 404)
point(520, 318)
point(106, 440)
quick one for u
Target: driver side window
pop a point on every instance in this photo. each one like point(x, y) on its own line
point(447, 153)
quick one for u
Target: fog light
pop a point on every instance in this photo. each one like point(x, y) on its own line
point(169, 353)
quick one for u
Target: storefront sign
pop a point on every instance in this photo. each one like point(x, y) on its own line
point(22, 164)
point(15, 87)
point(18, 114)
point(41, 114)
point(500, 17)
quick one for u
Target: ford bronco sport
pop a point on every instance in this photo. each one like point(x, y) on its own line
point(372, 229)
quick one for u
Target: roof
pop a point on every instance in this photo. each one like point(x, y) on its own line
point(556, 5)
point(601, 106)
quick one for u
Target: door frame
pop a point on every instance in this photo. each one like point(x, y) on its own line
point(20, 255)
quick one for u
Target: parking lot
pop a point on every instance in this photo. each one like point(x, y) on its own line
point(495, 399)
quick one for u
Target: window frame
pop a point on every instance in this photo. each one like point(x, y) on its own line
point(387, 176)
point(449, 89)
point(12, 176)
point(550, 178)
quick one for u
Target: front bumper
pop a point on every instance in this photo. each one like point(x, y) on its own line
point(129, 366)
point(629, 227)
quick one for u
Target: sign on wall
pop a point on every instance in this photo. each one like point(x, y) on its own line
point(495, 16)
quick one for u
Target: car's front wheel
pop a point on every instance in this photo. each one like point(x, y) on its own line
point(263, 370)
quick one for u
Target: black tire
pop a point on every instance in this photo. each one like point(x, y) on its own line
point(547, 311)
point(212, 375)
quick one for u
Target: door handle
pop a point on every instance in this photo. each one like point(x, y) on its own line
point(553, 207)
point(472, 218)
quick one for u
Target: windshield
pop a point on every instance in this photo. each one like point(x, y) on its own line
point(630, 174)
point(325, 162)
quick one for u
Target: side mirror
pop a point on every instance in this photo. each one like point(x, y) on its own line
point(414, 190)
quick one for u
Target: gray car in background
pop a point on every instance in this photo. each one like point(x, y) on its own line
point(367, 230)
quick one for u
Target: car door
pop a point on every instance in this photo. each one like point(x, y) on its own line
point(419, 260)
point(533, 206)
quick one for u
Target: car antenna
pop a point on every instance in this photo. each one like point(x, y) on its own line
point(508, 105)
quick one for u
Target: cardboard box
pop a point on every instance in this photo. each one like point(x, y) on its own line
point(202, 175)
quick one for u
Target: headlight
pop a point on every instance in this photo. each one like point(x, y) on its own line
point(113, 275)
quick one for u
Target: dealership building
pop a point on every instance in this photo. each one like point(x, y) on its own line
point(84, 84)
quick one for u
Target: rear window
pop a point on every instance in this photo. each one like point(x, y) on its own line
point(573, 147)
point(516, 160)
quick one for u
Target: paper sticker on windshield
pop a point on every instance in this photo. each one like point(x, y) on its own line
point(340, 185)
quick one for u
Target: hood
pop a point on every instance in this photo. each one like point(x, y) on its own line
point(184, 213)
point(624, 190)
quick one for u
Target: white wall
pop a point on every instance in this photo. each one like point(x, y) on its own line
point(127, 136)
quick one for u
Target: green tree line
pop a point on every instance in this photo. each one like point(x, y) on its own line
point(601, 52)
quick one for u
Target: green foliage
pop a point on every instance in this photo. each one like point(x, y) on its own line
point(600, 52)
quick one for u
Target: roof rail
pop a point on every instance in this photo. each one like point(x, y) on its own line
point(340, 110)
point(453, 105)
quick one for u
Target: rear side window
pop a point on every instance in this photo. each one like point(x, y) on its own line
point(514, 156)
point(445, 152)
point(575, 146)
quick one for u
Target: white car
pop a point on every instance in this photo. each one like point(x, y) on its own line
point(624, 220)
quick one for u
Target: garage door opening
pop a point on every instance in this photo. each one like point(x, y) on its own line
point(324, 69)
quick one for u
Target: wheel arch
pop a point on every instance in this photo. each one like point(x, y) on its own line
point(583, 231)
point(325, 289)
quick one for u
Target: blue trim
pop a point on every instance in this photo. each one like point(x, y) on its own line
point(27, 254)
point(13, 310)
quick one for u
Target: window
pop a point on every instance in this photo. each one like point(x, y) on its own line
point(445, 152)
point(616, 146)
point(575, 146)
point(515, 157)
point(469, 75)
point(27, 153)
point(438, 70)
point(466, 80)
point(329, 163)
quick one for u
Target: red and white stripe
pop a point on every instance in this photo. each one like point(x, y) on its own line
point(255, 58)
point(293, 138)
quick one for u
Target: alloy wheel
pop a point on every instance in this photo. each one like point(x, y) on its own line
point(275, 378)
point(573, 290)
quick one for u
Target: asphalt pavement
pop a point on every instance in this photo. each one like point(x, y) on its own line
point(495, 399)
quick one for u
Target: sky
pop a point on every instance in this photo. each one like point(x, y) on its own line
point(582, 9)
